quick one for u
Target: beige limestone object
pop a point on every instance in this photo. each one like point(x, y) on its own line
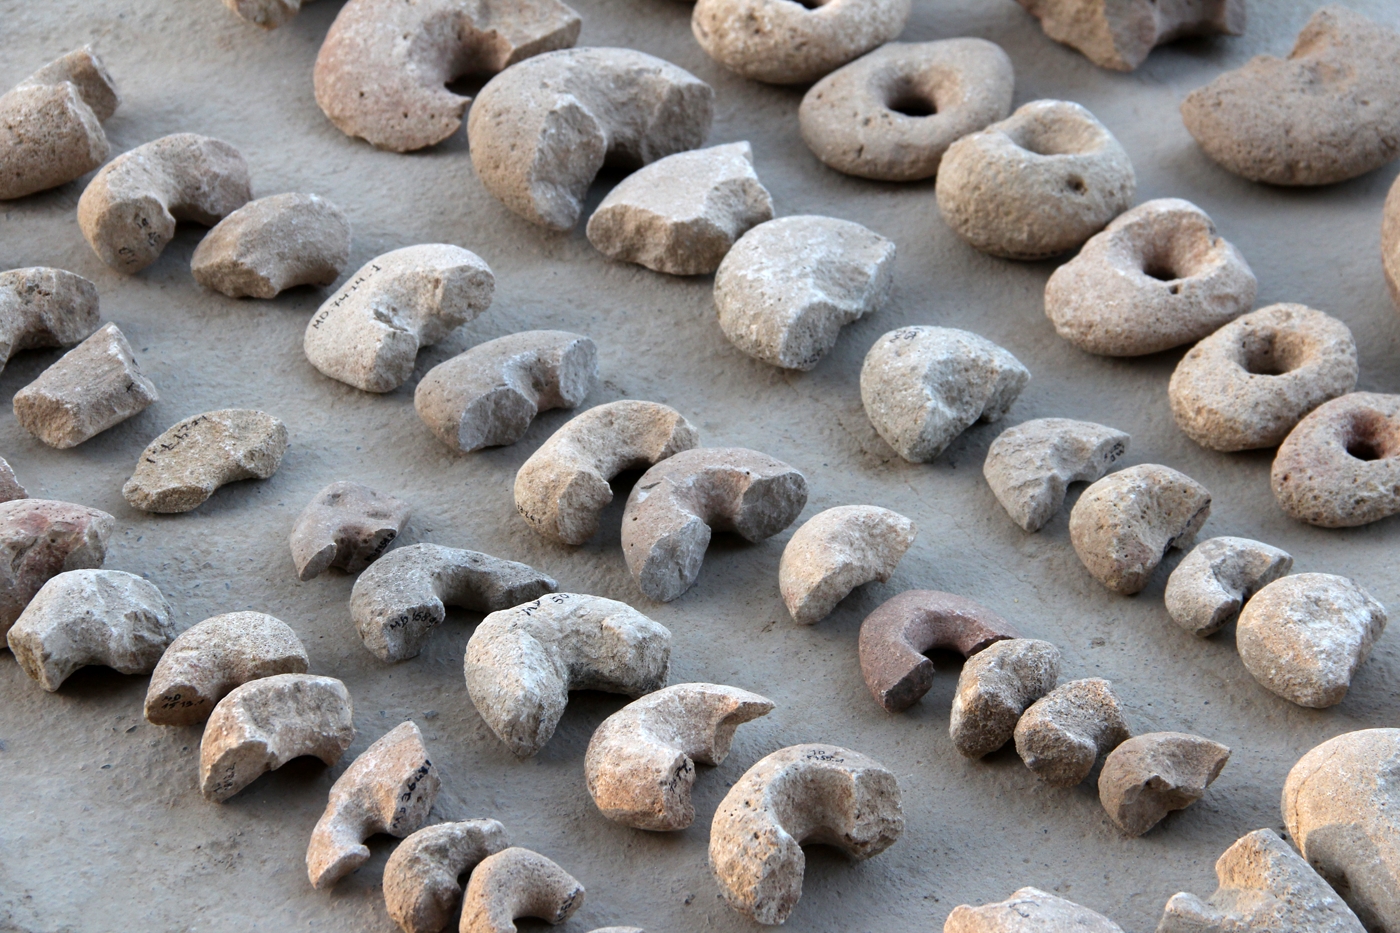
point(1028, 910)
point(84, 617)
point(1157, 277)
point(269, 14)
point(388, 789)
point(677, 504)
point(1120, 35)
point(836, 551)
point(129, 209)
point(272, 244)
point(923, 386)
point(1247, 385)
point(1207, 589)
point(185, 465)
point(800, 794)
point(1037, 184)
point(42, 307)
point(347, 526)
point(516, 883)
point(1069, 730)
point(261, 725)
point(541, 130)
point(369, 332)
point(682, 214)
point(420, 877)
point(10, 487)
point(1303, 637)
point(640, 764)
point(211, 658)
point(382, 69)
point(94, 386)
point(564, 486)
point(1328, 112)
point(1030, 466)
point(788, 286)
point(1150, 775)
point(41, 538)
point(892, 113)
point(994, 689)
point(1340, 467)
point(398, 602)
point(521, 663)
point(1390, 241)
point(487, 396)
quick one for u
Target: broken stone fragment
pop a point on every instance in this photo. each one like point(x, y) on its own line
point(836, 551)
point(1150, 775)
point(1124, 524)
point(42, 307)
point(265, 723)
point(272, 244)
point(1390, 241)
point(129, 209)
point(347, 526)
point(94, 386)
point(1029, 467)
point(369, 332)
point(892, 113)
point(516, 883)
point(788, 286)
point(1207, 589)
point(681, 214)
point(10, 487)
point(1303, 637)
point(1328, 112)
point(1119, 35)
point(41, 538)
point(1029, 910)
point(382, 69)
point(994, 689)
point(185, 465)
point(85, 617)
point(1069, 730)
point(923, 386)
point(1340, 467)
point(420, 878)
point(269, 14)
point(487, 396)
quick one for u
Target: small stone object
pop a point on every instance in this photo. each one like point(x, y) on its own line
point(892, 113)
point(1328, 112)
point(923, 386)
point(41, 538)
point(541, 130)
point(211, 658)
point(564, 486)
point(1157, 277)
point(420, 878)
point(487, 396)
point(129, 209)
point(1124, 524)
point(10, 488)
point(41, 307)
point(994, 689)
point(1070, 729)
point(1037, 184)
point(265, 723)
point(51, 124)
point(803, 793)
point(1120, 35)
point(1149, 776)
point(94, 386)
point(1207, 589)
point(1029, 910)
point(836, 551)
point(388, 789)
point(1303, 637)
point(185, 465)
point(788, 286)
point(1029, 467)
point(369, 332)
point(516, 883)
point(1340, 467)
point(895, 636)
point(347, 526)
point(1265, 887)
point(641, 761)
point(269, 14)
point(677, 504)
point(1247, 385)
point(272, 244)
point(85, 617)
point(521, 663)
point(403, 596)
point(382, 68)
point(1390, 241)
point(774, 42)
point(681, 214)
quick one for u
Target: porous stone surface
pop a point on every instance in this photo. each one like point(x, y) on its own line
point(1340, 467)
point(347, 526)
point(1390, 241)
point(923, 386)
point(185, 465)
point(1150, 775)
point(1069, 730)
point(269, 14)
point(541, 130)
point(517, 883)
point(1029, 910)
point(994, 689)
point(1037, 184)
point(1206, 590)
point(788, 286)
point(682, 214)
point(41, 538)
point(1124, 524)
point(43, 307)
point(1120, 35)
point(1247, 385)
point(836, 551)
point(1304, 637)
point(1328, 112)
point(10, 487)
point(272, 244)
point(1029, 467)
point(420, 877)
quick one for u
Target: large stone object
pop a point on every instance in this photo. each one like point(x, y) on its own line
point(420, 877)
point(272, 244)
point(1119, 34)
point(995, 687)
point(836, 551)
point(1030, 466)
point(43, 307)
point(41, 538)
point(185, 465)
point(1150, 775)
point(347, 526)
point(1340, 467)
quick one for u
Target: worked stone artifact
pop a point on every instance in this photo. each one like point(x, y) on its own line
point(1069, 730)
point(516, 883)
point(1149, 776)
point(1120, 35)
point(994, 689)
point(41, 538)
point(1390, 241)
point(10, 488)
point(1340, 467)
point(272, 244)
point(836, 551)
point(42, 307)
point(185, 465)
point(347, 526)
point(420, 877)
point(1207, 589)
point(1030, 466)
point(269, 14)
point(1029, 910)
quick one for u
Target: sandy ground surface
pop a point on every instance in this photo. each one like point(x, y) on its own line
point(102, 826)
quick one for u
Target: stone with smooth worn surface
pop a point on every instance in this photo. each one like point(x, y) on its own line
point(43, 307)
point(1030, 467)
point(272, 244)
point(420, 877)
point(41, 538)
point(1120, 35)
point(1069, 730)
point(517, 883)
point(994, 689)
point(185, 465)
point(347, 526)
point(1340, 467)
point(1150, 775)
point(1207, 589)
point(836, 551)
point(1029, 910)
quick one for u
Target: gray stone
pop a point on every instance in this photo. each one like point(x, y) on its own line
point(42, 307)
point(185, 465)
point(836, 551)
point(347, 526)
point(1149, 776)
point(51, 124)
point(1069, 730)
point(10, 487)
point(1207, 589)
point(1390, 241)
point(272, 244)
point(1030, 466)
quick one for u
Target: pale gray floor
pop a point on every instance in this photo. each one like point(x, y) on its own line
point(101, 824)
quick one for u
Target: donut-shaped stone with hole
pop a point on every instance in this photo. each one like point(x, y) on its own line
point(1340, 467)
point(1157, 277)
point(891, 114)
point(1249, 383)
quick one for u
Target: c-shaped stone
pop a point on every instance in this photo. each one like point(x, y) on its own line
point(42, 307)
point(836, 551)
point(420, 878)
point(517, 883)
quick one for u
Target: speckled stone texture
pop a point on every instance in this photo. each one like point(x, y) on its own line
point(184, 466)
point(1152, 775)
point(1069, 730)
point(272, 244)
point(1390, 241)
point(836, 551)
point(1120, 35)
point(517, 883)
point(10, 487)
point(1340, 467)
point(1206, 590)
point(420, 878)
point(1029, 910)
point(269, 14)
point(994, 689)
point(43, 307)
point(41, 538)
point(347, 526)
point(1030, 466)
